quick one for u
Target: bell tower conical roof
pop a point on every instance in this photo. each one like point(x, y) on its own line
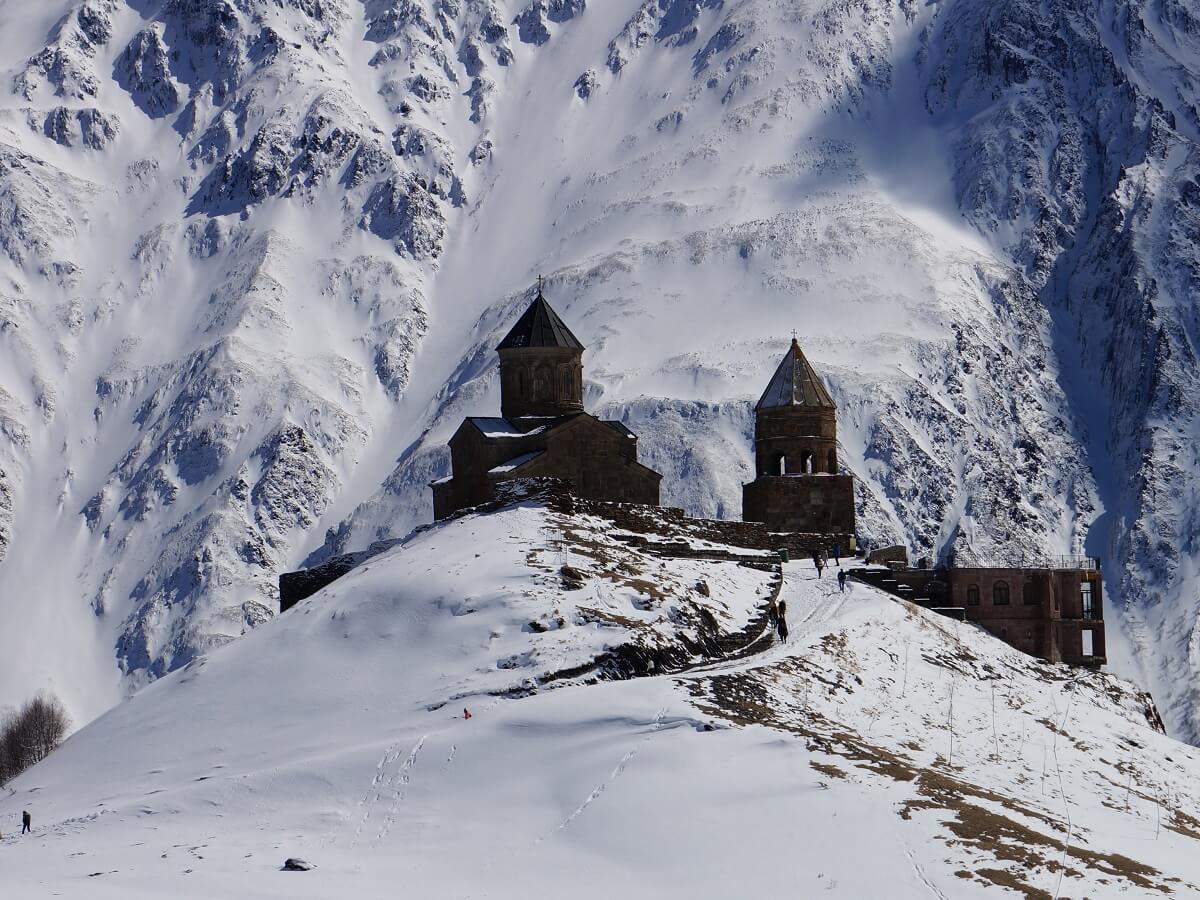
point(795, 383)
point(540, 326)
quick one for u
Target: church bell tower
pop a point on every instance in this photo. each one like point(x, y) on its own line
point(798, 487)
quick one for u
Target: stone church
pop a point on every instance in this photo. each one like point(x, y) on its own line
point(543, 430)
point(798, 487)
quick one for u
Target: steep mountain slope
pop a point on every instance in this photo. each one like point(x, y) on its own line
point(255, 254)
point(960, 767)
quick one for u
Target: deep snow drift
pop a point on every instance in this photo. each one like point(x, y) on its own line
point(883, 751)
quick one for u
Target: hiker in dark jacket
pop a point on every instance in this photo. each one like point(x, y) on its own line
point(26, 821)
point(781, 620)
point(842, 579)
point(837, 554)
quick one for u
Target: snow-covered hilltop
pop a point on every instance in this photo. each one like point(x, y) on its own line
point(732, 765)
point(255, 255)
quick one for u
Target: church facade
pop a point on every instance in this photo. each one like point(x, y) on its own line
point(798, 485)
point(543, 430)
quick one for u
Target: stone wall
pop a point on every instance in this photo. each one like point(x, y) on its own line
point(598, 461)
point(816, 504)
point(653, 520)
point(540, 381)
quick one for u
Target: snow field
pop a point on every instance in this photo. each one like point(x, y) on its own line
point(336, 734)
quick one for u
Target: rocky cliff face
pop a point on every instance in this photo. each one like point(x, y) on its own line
point(254, 257)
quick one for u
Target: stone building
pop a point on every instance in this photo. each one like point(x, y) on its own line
point(1053, 611)
point(1056, 613)
point(798, 487)
point(543, 431)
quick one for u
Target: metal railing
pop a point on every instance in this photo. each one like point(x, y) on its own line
point(1030, 561)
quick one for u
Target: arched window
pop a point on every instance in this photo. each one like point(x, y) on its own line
point(833, 469)
point(1000, 593)
point(806, 462)
point(780, 464)
point(564, 382)
point(972, 595)
point(522, 382)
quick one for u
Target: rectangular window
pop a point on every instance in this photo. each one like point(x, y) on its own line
point(972, 595)
point(1088, 648)
point(1085, 595)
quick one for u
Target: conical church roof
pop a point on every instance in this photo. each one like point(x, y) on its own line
point(540, 326)
point(795, 383)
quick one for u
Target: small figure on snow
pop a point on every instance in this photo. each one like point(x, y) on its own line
point(26, 821)
point(466, 713)
point(819, 561)
point(837, 554)
point(781, 620)
point(842, 579)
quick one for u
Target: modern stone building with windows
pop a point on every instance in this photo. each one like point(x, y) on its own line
point(1054, 612)
point(543, 430)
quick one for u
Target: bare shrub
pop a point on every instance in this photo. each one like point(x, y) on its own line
point(30, 734)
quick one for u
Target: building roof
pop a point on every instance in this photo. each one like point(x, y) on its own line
point(795, 383)
point(526, 426)
point(619, 427)
point(540, 326)
point(495, 427)
point(515, 463)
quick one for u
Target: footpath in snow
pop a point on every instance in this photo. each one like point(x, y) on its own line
point(883, 751)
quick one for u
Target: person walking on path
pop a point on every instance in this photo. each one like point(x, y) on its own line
point(837, 554)
point(820, 563)
point(842, 579)
point(26, 821)
point(781, 621)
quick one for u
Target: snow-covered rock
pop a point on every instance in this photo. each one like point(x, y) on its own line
point(224, 225)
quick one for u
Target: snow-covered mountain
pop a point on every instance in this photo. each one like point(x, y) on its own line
point(882, 751)
point(255, 255)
